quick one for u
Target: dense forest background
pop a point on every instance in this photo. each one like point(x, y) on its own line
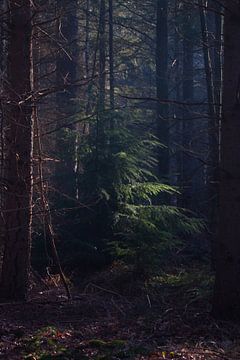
point(120, 159)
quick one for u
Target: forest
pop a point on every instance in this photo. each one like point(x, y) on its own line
point(119, 179)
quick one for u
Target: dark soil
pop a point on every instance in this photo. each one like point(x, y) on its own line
point(165, 318)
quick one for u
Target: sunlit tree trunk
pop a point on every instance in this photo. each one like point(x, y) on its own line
point(19, 144)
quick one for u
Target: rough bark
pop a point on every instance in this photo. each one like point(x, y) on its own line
point(19, 144)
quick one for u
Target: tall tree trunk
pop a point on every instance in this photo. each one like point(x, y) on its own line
point(187, 124)
point(82, 129)
point(67, 73)
point(19, 143)
point(216, 29)
point(101, 134)
point(213, 122)
point(208, 69)
point(102, 57)
point(162, 85)
point(3, 56)
point(218, 52)
point(87, 56)
point(111, 57)
point(227, 292)
point(177, 132)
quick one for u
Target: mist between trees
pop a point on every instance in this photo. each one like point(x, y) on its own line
point(120, 141)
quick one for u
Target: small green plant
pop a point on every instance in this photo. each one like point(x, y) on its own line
point(126, 217)
point(46, 344)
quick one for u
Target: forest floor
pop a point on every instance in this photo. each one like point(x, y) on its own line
point(115, 317)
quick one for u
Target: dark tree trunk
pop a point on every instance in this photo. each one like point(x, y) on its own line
point(177, 131)
point(87, 56)
point(111, 57)
point(102, 58)
point(19, 143)
point(3, 58)
point(162, 85)
point(218, 52)
point(227, 292)
point(213, 81)
point(67, 73)
point(101, 133)
point(187, 124)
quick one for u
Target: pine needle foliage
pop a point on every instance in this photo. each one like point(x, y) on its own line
point(129, 219)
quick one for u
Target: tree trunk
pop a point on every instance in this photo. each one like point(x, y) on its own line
point(217, 20)
point(213, 127)
point(111, 57)
point(3, 57)
point(187, 124)
point(227, 292)
point(67, 72)
point(177, 131)
point(218, 50)
point(87, 57)
point(162, 85)
point(19, 144)
point(101, 125)
point(102, 57)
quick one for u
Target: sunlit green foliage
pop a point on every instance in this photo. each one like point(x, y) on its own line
point(129, 219)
